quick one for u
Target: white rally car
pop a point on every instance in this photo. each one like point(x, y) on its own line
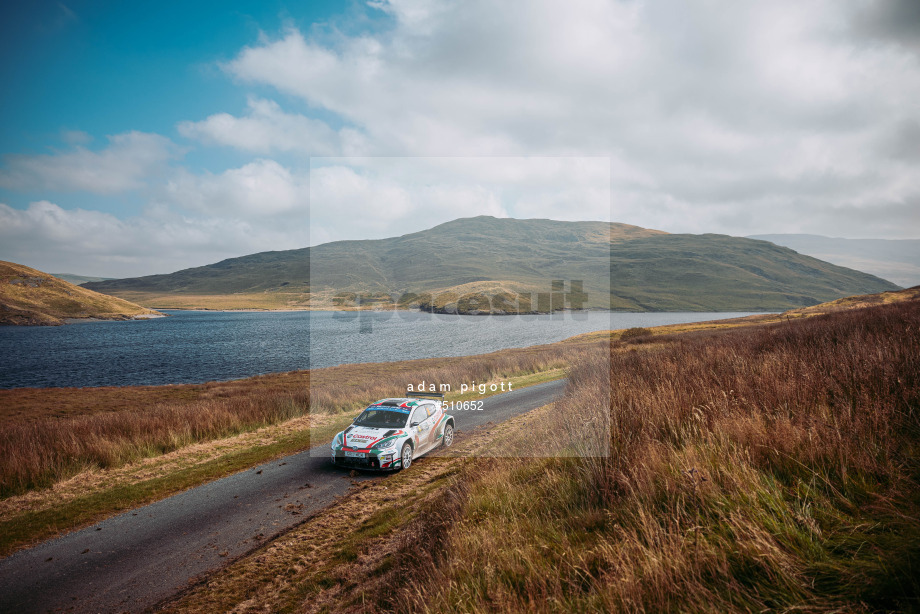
point(390, 433)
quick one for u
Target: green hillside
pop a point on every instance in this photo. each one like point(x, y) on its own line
point(622, 267)
point(897, 260)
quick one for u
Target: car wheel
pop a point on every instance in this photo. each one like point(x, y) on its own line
point(406, 456)
point(448, 437)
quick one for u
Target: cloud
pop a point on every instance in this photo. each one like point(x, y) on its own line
point(57, 240)
point(348, 204)
point(267, 128)
point(373, 198)
point(892, 21)
point(261, 188)
point(190, 220)
point(128, 163)
point(712, 106)
point(687, 116)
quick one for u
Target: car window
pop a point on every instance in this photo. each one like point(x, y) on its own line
point(419, 414)
point(430, 409)
point(381, 418)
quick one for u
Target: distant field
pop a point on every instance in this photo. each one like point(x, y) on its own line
point(219, 302)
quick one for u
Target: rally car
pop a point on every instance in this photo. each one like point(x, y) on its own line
point(390, 433)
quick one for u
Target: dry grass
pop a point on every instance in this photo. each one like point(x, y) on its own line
point(772, 468)
point(128, 424)
point(257, 301)
point(40, 453)
point(843, 304)
point(28, 296)
point(318, 563)
point(97, 480)
point(767, 468)
point(330, 562)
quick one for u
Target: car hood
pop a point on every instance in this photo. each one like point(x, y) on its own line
point(363, 437)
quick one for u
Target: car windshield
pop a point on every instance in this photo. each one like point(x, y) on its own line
point(382, 418)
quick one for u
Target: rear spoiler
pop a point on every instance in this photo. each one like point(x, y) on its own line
point(424, 395)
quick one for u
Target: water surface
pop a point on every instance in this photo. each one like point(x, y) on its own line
point(200, 346)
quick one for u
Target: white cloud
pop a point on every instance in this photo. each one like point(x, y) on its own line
point(191, 220)
point(695, 116)
point(715, 106)
point(370, 198)
point(261, 188)
point(128, 163)
point(267, 128)
point(57, 240)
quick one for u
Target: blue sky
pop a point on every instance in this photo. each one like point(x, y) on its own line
point(100, 66)
point(143, 138)
point(80, 71)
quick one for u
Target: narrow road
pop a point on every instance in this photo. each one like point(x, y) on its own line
point(133, 561)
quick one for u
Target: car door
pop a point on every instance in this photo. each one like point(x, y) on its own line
point(431, 436)
point(422, 431)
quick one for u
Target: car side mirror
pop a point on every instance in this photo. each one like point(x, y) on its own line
point(413, 424)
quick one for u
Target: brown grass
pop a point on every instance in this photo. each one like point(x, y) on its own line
point(31, 297)
point(843, 304)
point(256, 301)
point(103, 428)
point(771, 468)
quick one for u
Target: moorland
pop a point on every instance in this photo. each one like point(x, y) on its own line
point(491, 264)
point(766, 462)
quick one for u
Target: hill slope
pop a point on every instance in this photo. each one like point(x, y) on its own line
point(78, 279)
point(622, 267)
point(30, 297)
point(897, 260)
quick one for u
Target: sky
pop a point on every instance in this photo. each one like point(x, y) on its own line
point(142, 138)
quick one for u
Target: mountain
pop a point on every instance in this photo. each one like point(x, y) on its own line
point(30, 297)
point(622, 267)
point(78, 279)
point(897, 260)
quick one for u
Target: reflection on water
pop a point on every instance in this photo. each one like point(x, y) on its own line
point(199, 346)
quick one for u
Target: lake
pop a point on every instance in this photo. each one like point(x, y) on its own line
point(200, 346)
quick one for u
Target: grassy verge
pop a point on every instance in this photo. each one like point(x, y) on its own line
point(516, 382)
point(329, 562)
point(99, 496)
point(96, 493)
point(765, 469)
point(37, 453)
point(772, 467)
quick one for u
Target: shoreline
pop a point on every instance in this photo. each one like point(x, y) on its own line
point(440, 313)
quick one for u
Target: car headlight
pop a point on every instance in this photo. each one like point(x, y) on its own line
point(339, 439)
point(384, 445)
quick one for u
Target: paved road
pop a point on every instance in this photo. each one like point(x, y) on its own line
point(135, 560)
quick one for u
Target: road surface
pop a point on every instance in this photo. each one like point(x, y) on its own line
point(132, 561)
